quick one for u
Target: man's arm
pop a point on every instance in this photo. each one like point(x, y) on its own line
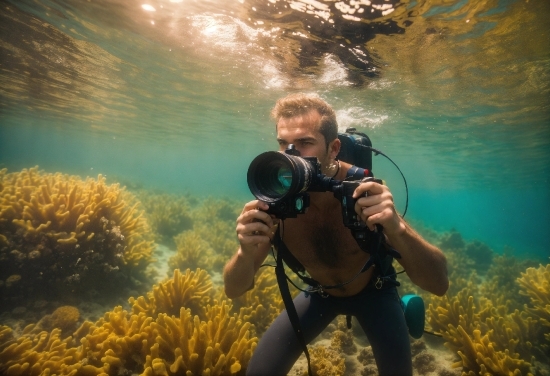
point(254, 229)
point(424, 263)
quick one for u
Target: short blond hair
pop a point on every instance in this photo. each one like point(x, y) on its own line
point(299, 104)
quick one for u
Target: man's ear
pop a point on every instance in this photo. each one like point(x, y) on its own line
point(334, 148)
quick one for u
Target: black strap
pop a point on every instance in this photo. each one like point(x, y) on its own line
point(291, 309)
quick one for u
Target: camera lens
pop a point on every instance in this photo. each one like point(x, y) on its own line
point(273, 176)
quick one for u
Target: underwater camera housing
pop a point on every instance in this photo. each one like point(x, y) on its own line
point(282, 180)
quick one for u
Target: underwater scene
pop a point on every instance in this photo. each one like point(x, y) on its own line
point(127, 129)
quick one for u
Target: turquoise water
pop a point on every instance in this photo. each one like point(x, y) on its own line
point(178, 98)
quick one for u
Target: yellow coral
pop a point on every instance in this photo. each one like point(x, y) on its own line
point(117, 341)
point(37, 354)
point(445, 315)
point(462, 325)
point(64, 318)
point(168, 214)
point(215, 342)
point(218, 346)
point(190, 290)
point(192, 252)
point(326, 362)
point(263, 303)
point(80, 233)
point(480, 357)
point(535, 283)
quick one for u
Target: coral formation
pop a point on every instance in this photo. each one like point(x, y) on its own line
point(211, 241)
point(326, 361)
point(486, 339)
point(500, 281)
point(263, 303)
point(535, 283)
point(191, 290)
point(167, 214)
point(35, 352)
point(64, 318)
point(192, 252)
point(215, 342)
point(218, 346)
point(64, 235)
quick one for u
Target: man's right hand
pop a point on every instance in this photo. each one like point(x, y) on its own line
point(255, 228)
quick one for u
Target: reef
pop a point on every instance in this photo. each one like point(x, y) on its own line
point(64, 318)
point(192, 290)
point(61, 236)
point(211, 241)
point(263, 303)
point(326, 361)
point(214, 342)
point(167, 214)
point(535, 283)
point(488, 338)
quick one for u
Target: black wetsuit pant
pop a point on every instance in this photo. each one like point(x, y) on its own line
point(379, 313)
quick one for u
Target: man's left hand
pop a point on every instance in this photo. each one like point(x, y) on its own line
point(375, 205)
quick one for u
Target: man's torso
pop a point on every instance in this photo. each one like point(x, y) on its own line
point(326, 248)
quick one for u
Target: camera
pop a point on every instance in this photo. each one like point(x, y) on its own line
point(283, 179)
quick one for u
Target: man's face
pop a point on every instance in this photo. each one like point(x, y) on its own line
point(303, 132)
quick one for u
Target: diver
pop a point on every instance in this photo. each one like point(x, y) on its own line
point(320, 243)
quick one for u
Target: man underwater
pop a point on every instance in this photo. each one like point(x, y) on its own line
point(330, 254)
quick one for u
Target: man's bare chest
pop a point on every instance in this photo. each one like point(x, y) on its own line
point(318, 240)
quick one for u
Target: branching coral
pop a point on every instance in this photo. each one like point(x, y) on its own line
point(192, 252)
point(263, 303)
point(500, 281)
point(191, 290)
point(215, 342)
point(487, 338)
point(62, 234)
point(535, 283)
point(220, 345)
point(168, 214)
point(479, 357)
point(37, 353)
point(118, 341)
point(211, 241)
point(445, 315)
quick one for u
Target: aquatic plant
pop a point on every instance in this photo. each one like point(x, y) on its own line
point(61, 235)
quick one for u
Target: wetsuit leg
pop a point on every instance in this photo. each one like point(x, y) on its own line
point(279, 348)
point(381, 316)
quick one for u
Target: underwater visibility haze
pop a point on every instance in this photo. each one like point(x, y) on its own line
point(172, 97)
point(176, 95)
